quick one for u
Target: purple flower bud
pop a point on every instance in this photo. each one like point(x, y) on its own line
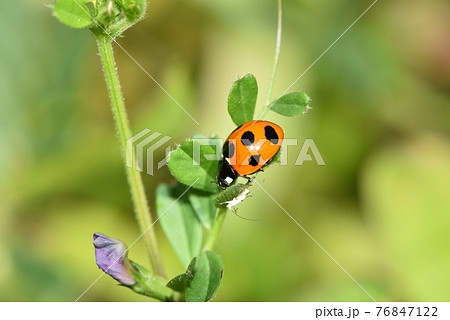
point(111, 257)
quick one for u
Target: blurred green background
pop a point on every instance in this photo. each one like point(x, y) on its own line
point(381, 116)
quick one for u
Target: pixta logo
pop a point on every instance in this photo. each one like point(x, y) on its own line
point(145, 143)
point(143, 146)
point(307, 151)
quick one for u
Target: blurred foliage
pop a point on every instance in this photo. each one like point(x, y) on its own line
point(380, 120)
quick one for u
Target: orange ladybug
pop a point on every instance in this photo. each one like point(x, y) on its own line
point(247, 149)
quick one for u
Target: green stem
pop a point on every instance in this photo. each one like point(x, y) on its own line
point(277, 52)
point(151, 285)
point(141, 207)
point(214, 233)
point(119, 27)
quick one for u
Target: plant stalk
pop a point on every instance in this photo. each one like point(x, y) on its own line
point(215, 230)
point(277, 52)
point(134, 178)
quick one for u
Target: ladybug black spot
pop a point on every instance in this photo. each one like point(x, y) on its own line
point(271, 134)
point(228, 149)
point(254, 160)
point(247, 138)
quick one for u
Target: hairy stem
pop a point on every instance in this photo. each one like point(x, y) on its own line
point(139, 199)
point(277, 52)
point(119, 27)
point(215, 230)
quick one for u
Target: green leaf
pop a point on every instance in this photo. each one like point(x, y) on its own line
point(208, 271)
point(292, 104)
point(189, 163)
point(203, 204)
point(179, 222)
point(242, 99)
point(74, 13)
point(180, 282)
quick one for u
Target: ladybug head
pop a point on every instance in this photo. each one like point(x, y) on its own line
point(227, 175)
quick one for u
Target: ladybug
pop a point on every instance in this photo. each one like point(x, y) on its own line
point(247, 149)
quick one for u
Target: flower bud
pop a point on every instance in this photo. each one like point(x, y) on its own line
point(132, 9)
point(111, 257)
point(108, 13)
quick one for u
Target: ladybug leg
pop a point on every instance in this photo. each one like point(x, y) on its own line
point(250, 179)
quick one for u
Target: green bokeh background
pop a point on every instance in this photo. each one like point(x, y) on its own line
point(381, 116)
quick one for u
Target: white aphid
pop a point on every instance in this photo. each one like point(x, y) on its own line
point(238, 199)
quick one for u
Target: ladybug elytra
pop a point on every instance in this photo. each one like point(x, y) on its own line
point(247, 149)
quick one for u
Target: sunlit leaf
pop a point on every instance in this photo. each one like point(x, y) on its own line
point(292, 104)
point(242, 99)
point(188, 164)
point(74, 13)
